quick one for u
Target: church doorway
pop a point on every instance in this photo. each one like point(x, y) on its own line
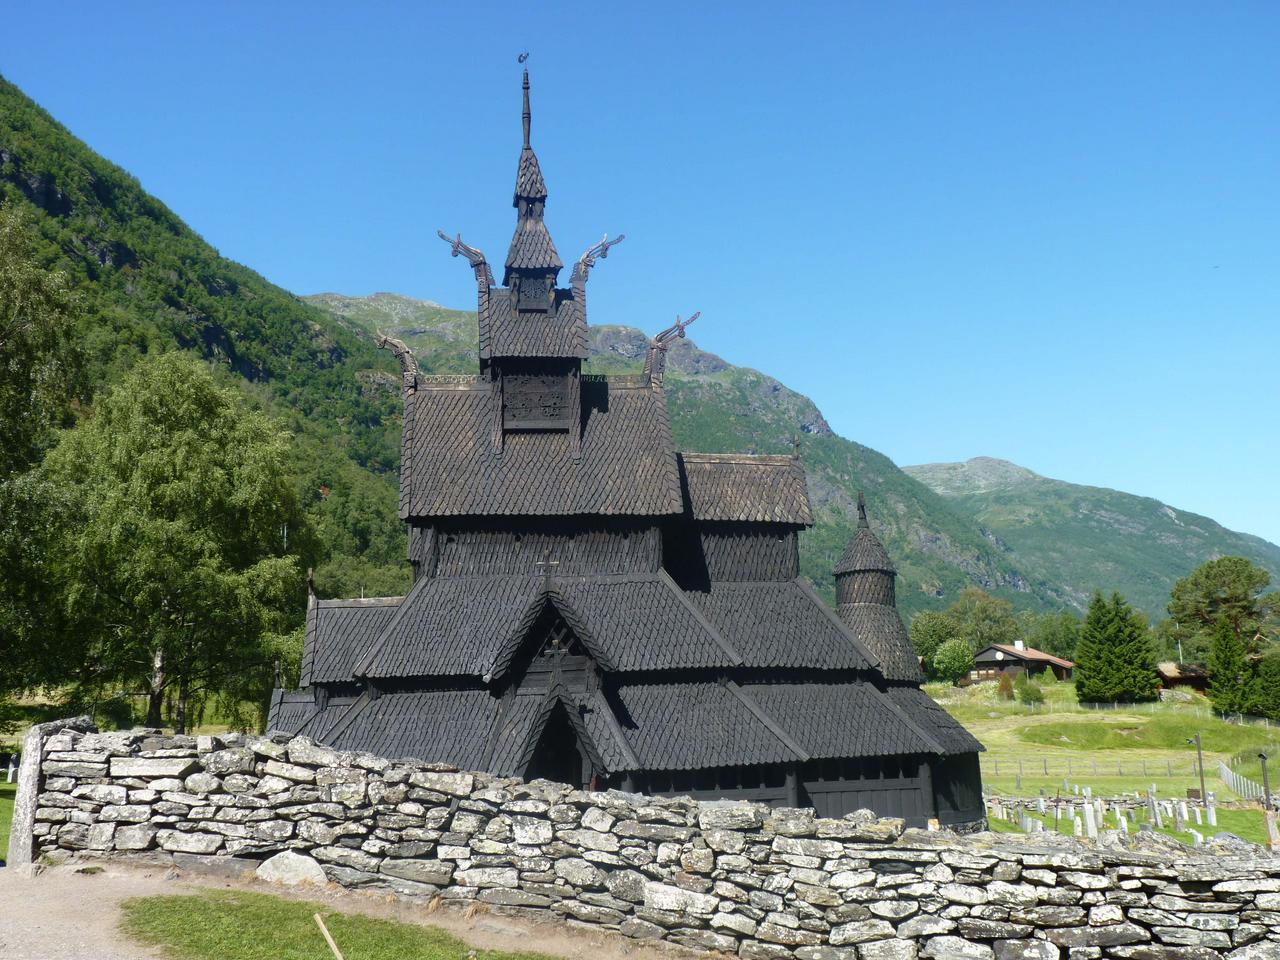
point(559, 756)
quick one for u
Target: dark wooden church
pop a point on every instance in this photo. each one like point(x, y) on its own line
point(593, 607)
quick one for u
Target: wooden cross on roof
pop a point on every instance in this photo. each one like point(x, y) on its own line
point(546, 563)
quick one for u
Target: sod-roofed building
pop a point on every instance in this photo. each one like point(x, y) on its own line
point(593, 607)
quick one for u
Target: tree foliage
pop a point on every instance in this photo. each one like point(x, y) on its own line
point(1055, 633)
point(1115, 661)
point(1230, 676)
point(953, 660)
point(187, 541)
point(1230, 588)
point(929, 631)
point(982, 619)
point(39, 371)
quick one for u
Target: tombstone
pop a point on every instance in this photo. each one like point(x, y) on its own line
point(1090, 824)
point(1088, 791)
point(1196, 838)
point(1146, 827)
point(1066, 787)
point(1196, 812)
point(1179, 818)
point(1122, 824)
point(1153, 809)
point(1040, 805)
point(1075, 788)
point(1077, 828)
point(12, 773)
point(1211, 808)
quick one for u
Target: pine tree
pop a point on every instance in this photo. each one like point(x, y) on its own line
point(1115, 661)
point(1230, 678)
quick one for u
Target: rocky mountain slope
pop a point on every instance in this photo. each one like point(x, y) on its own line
point(1083, 538)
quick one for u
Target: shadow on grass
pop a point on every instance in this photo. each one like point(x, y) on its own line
point(237, 925)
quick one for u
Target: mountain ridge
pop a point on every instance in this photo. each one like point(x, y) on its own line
point(1109, 534)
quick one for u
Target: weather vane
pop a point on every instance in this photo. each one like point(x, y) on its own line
point(523, 57)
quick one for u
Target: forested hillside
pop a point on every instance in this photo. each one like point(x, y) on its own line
point(148, 282)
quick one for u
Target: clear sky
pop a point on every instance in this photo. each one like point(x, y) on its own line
point(1043, 232)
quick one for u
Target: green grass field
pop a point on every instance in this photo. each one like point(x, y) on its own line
point(235, 925)
point(7, 791)
point(1111, 751)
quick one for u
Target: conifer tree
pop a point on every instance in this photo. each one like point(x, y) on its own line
point(1230, 679)
point(1115, 661)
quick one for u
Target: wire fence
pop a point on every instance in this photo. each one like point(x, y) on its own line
point(1069, 767)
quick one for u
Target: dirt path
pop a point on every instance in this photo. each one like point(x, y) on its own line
point(61, 914)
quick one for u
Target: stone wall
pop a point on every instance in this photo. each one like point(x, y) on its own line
point(732, 877)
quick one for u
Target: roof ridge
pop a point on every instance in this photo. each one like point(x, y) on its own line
point(758, 459)
point(360, 602)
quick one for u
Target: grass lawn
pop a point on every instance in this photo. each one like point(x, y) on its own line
point(7, 791)
point(235, 925)
point(1111, 751)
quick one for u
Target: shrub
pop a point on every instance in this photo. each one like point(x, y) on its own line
point(953, 660)
point(1028, 691)
point(1004, 687)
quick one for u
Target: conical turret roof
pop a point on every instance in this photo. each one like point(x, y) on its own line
point(864, 551)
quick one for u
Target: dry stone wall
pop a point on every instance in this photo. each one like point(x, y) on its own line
point(731, 877)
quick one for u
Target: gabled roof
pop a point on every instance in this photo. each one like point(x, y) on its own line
point(290, 710)
point(864, 552)
point(780, 624)
point(511, 334)
point(744, 487)
point(880, 628)
point(338, 635)
point(1027, 653)
point(454, 468)
point(632, 622)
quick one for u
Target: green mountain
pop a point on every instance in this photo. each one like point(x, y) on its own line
point(1083, 538)
point(718, 408)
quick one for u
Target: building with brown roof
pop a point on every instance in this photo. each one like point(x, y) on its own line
point(591, 606)
point(990, 662)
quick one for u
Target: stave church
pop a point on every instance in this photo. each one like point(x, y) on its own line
point(591, 606)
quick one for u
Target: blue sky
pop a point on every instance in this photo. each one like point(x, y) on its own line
point(1049, 233)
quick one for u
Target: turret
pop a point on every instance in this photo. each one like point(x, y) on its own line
point(864, 572)
point(865, 599)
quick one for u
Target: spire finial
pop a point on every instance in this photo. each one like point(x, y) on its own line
point(862, 511)
point(795, 446)
point(526, 117)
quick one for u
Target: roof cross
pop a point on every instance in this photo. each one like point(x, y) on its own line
point(546, 563)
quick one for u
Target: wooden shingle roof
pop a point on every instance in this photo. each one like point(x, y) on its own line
point(780, 624)
point(512, 334)
point(454, 468)
point(880, 628)
point(473, 626)
point(338, 633)
point(934, 720)
point(864, 551)
point(745, 487)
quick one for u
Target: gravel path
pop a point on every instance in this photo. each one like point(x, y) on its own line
point(62, 914)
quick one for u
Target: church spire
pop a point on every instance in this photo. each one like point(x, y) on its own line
point(526, 117)
point(532, 260)
point(862, 512)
